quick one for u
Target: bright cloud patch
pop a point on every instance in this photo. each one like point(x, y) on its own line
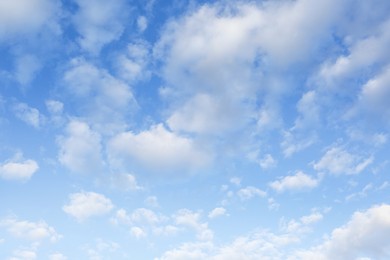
point(159, 148)
point(80, 148)
point(84, 205)
point(339, 161)
point(33, 231)
point(18, 169)
point(299, 181)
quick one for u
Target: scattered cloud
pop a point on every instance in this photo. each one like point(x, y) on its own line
point(337, 160)
point(80, 148)
point(159, 149)
point(83, 205)
point(32, 231)
point(217, 212)
point(29, 115)
point(299, 181)
point(18, 169)
point(250, 192)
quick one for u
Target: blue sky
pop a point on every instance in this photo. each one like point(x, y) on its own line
point(179, 130)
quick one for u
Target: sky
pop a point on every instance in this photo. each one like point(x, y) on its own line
point(194, 129)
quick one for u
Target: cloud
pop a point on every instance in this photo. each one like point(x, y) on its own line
point(29, 115)
point(99, 23)
point(336, 160)
point(299, 181)
point(125, 182)
point(18, 169)
point(27, 66)
point(103, 99)
point(250, 192)
point(133, 64)
point(159, 149)
point(25, 254)
point(190, 251)
point(356, 238)
point(57, 256)
point(186, 217)
point(217, 212)
point(84, 205)
point(33, 231)
point(27, 16)
point(137, 232)
point(80, 148)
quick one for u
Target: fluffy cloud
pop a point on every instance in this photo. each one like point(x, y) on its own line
point(159, 148)
point(217, 212)
point(339, 161)
point(250, 192)
point(365, 235)
point(25, 254)
point(132, 65)
point(80, 148)
point(33, 231)
point(299, 181)
point(125, 182)
point(185, 217)
point(137, 232)
point(99, 23)
point(18, 169)
point(104, 99)
point(27, 16)
point(57, 256)
point(84, 205)
point(27, 67)
point(29, 115)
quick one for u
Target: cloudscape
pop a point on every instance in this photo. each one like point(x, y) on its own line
point(195, 129)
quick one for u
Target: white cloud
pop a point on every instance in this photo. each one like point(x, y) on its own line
point(293, 142)
point(24, 254)
point(33, 231)
point(80, 149)
point(57, 256)
point(29, 115)
point(190, 251)
point(125, 182)
point(152, 201)
point(217, 212)
point(133, 64)
point(375, 94)
point(235, 180)
point(159, 149)
point(336, 160)
point(185, 217)
point(142, 23)
point(55, 107)
point(99, 23)
point(137, 232)
point(18, 169)
point(250, 192)
point(27, 66)
point(145, 215)
point(365, 235)
point(84, 205)
point(299, 181)
point(105, 101)
point(27, 16)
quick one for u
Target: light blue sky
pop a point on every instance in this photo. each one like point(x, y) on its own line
point(179, 130)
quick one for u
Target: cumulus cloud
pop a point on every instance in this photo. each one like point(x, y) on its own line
point(250, 192)
point(217, 212)
point(104, 100)
point(99, 23)
point(18, 169)
point(159, 149)
point(29, 115)
point(33, 231)
point(186, 217)
point(299, 181)
point(27, 16)
point(133, 64)
point(125, 182)
point(84, 205)
point(337, 160)
point(27, 66)
point(57, 256)
point(80, 148)
point(137, 232)
point(356, 238)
